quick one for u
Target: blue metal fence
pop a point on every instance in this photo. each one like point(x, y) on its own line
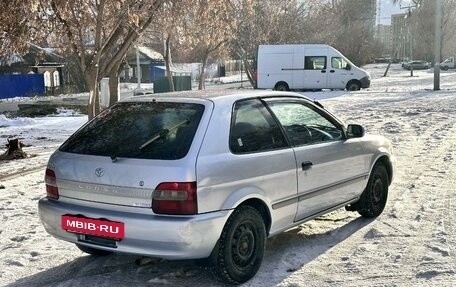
point(23, 85)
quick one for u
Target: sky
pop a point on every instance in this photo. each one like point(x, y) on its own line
point(387, 9)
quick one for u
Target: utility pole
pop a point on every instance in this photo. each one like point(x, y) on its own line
point(138, 68)
point(437, 43)
point(409, 18)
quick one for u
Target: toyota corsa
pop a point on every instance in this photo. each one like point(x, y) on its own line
point(209, 175)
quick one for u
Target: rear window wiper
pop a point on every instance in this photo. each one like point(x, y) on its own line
point(162, 133)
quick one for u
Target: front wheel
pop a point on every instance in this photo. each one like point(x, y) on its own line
point(353, 86)
point(241, 246)
point(373, 199)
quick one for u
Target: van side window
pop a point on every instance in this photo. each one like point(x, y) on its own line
point(338, 63)
point(253, 129)
point(314, 62)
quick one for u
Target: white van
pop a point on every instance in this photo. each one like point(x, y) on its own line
point(307, 66)
point(448, 63)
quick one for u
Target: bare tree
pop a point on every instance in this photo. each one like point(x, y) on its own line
point(100, 33)
point(265, 22)
point(163, 33)
point(208, 26)
point(423, 27)
point(19, 26)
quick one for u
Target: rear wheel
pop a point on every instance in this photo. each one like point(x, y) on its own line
point(281, 86)
point(241, 246)
point(373, 199)
point(93, 251)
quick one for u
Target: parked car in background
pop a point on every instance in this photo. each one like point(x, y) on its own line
point(192, 175)
point(142, 92)
point(417, 65)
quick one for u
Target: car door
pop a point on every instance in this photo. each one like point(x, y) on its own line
point(310, 68)
point(339, 73)
point(331, 169)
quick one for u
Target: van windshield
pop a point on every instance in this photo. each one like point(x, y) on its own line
point(147, 130)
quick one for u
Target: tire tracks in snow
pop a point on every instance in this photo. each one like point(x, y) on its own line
point(423, 199)
point(22, 173)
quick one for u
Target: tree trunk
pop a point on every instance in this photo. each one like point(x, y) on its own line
point(167, 58)
point(202, 73)
point(249, 70)
point(113, 88)
point(114, 83)
point(14, 150)
point(93, 107)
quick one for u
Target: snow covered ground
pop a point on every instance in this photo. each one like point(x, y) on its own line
point(411, 244)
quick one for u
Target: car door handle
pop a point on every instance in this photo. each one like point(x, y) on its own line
point(306, 165)
point(332, 71)
point(323, 71)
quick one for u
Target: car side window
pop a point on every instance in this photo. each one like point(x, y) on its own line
point(253, 129)
point(304, 124)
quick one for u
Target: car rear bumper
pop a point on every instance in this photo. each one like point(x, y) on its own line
point(169, 237)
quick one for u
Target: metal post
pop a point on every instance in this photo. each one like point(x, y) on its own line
point(242, 63)
point(138, 68)
point(411, 41)
point(409, 17)
point(437, 43)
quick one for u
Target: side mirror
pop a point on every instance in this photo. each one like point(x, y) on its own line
point(348, 67)
point(355, 131)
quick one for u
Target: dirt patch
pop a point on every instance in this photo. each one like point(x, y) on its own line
point(44, 109)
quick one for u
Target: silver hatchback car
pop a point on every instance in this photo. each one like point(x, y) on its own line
point(199, 175)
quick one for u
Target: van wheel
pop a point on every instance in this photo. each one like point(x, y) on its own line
point(281, 86)
point(445, 68)
point(353, 86)
point(241, 246)
point(93, 251)
point(373, 199)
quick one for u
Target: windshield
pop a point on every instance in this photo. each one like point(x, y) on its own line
point(148, 130)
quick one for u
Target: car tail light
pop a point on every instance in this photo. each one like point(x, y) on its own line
point(51, 185)
point(175, 198)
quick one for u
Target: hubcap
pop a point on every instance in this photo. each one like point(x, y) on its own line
point(243, 244)
point(377, 191)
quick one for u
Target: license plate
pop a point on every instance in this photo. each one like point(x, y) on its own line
point(91, 226)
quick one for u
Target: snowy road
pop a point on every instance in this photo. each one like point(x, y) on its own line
point(411, 244)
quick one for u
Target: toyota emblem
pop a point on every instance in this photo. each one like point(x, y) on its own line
point(99, 172)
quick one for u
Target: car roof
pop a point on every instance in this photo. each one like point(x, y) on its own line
point(214, 95)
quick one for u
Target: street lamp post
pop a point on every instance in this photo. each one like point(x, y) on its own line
point(437, 44)
point(409, 18)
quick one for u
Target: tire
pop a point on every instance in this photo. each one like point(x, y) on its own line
point(93, 251)
point(241, 246)
point(281, 86)
point(353, 86)
point(373, 199)
point(445, 68)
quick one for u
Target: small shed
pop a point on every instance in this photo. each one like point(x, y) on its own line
point(148, 59)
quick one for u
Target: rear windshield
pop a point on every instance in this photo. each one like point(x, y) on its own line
point(149, 130)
